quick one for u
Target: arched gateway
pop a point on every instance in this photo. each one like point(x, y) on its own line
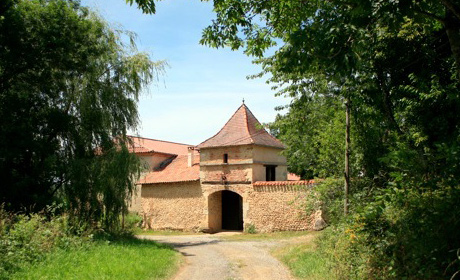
point(225, 211)
point(234, 180)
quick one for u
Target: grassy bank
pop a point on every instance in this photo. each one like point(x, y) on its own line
point(38, 246)
point(124, 260)
point(303, 260)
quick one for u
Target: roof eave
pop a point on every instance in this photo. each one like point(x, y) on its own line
point(167, 182)
point(254, 144)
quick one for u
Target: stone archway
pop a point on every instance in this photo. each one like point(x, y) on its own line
point(225, 211)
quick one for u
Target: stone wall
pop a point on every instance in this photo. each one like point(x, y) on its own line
point(269, 206)
point(268, 156)
point(245, 164)
point(214, 212)
point(189, 206)
point(236, 154)
point(226, 173)
point(149, 161)
point(236, 169)
point(279, 208)
point(134, 205)
point(259, 172)
point(175, 206)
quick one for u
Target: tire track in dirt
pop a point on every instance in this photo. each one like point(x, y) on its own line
point(207, 257)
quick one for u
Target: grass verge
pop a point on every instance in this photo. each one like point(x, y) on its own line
point(264, 236)
point(125, 259)
point(304, 261)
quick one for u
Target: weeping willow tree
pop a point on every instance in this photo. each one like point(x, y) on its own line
point(69, 86)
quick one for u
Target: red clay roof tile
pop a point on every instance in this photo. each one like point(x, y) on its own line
point(176, 171)
point(242, 129)
point(146, 145)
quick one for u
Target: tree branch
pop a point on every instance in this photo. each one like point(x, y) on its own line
point(431, 15)
point(452, 7)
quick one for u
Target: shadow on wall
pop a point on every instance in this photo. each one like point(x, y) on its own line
point(172, 190)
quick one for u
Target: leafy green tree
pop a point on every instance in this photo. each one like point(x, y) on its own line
point(313, 130)
point(69, 87)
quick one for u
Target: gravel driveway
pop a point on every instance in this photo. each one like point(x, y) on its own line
point(207, 257)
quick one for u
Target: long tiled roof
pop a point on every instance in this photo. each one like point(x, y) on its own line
point(146, 145)
point(242, 129)
point(176, 171)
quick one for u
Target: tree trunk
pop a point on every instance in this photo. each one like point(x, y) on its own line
point(123, 218)
point(347, 156)
point(387, 105)
point(452, 25)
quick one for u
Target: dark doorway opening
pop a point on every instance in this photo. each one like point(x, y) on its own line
point(232, 211)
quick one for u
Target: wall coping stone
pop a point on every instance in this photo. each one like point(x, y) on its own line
point(283, 183)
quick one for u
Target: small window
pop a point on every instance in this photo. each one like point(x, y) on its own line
point(270, 171)
point(225, 158)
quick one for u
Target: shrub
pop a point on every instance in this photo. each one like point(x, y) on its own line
point(132, 222)
point(328, 196)
point(251, 229)
point(27, 239)
point(403, 233)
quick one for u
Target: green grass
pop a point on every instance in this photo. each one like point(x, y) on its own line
point(264, 236)
point(304, 262)
point(124, 260)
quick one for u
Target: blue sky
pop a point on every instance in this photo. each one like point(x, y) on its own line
point(203, 87)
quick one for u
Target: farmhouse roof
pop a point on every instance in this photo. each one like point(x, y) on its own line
point(146, 145)
point(176, 171)
point(242, 129)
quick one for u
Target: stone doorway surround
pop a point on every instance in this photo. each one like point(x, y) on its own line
point(217, 213)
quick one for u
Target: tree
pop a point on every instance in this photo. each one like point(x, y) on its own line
point(69, 87)
point(313, 131)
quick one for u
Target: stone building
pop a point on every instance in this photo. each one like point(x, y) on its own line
point(233, 180)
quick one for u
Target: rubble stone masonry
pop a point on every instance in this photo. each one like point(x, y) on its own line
point(191, 206)
point(279, 208)
point(173, 206)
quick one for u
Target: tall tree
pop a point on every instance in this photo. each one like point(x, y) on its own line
point(69, 87)
point(313, 129)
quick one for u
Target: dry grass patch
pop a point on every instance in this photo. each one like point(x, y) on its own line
point(265, 236)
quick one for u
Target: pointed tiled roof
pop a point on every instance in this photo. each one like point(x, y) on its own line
point(242, 129)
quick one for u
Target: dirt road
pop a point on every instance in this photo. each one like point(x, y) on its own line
point(207, 257)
